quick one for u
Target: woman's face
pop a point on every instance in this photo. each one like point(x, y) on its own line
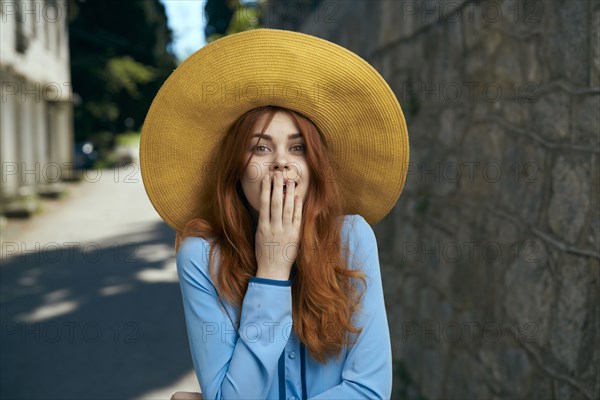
point(276, 151)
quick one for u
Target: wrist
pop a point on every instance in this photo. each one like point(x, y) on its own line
point(275, 275)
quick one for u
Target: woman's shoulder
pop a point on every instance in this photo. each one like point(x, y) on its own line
point(193, 266)
point(353, 219)
point(193, 244)
point(355, 226)
point(194, 253)
point(358, 236)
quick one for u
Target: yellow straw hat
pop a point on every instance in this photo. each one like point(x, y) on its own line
point(346, 98)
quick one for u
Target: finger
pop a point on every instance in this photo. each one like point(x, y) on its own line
point(297, 221)
point(277, 200)
point(265, 201)
point(288, 208)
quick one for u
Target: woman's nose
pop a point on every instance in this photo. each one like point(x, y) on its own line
point(290, 170)
point(280, 166)
point(281, 158)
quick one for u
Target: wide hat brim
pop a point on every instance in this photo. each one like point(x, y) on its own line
point(345, 97)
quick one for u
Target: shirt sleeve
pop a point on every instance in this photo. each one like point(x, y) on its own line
point(367, 370)
point(229, 361)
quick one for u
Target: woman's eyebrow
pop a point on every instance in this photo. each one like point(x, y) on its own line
point(269, 137)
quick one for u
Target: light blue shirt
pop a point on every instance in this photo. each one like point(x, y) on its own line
point(263, 358)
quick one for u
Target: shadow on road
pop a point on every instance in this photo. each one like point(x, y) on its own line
point(101, 320)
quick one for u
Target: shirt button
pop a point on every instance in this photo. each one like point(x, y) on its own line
point(292, 398)
point(292, 355)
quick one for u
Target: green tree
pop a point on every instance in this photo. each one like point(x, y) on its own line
point(218, 15)
point(120, 56)
point(226, 17)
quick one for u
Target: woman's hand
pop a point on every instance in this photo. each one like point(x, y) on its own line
point(278, 231)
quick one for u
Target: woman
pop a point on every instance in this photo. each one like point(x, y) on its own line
point(278, 266)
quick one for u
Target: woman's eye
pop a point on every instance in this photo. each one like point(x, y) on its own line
point(299, 147)
point(258, 147)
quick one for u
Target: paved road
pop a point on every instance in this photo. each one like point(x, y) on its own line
point(90, 304)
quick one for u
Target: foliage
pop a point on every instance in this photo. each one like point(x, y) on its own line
point(218, 13)
point(119, 59)
point(226, 17)
point(130, 138)
point(124, 73)
point(245, 17)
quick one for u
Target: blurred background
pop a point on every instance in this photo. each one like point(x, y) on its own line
point(490, 259)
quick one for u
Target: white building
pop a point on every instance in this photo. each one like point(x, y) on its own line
point(36, 114)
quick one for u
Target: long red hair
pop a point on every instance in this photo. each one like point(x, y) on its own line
point(324, 297)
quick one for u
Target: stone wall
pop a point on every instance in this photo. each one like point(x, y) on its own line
point(491, 255)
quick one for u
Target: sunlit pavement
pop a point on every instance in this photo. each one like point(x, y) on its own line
point(90, 304)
